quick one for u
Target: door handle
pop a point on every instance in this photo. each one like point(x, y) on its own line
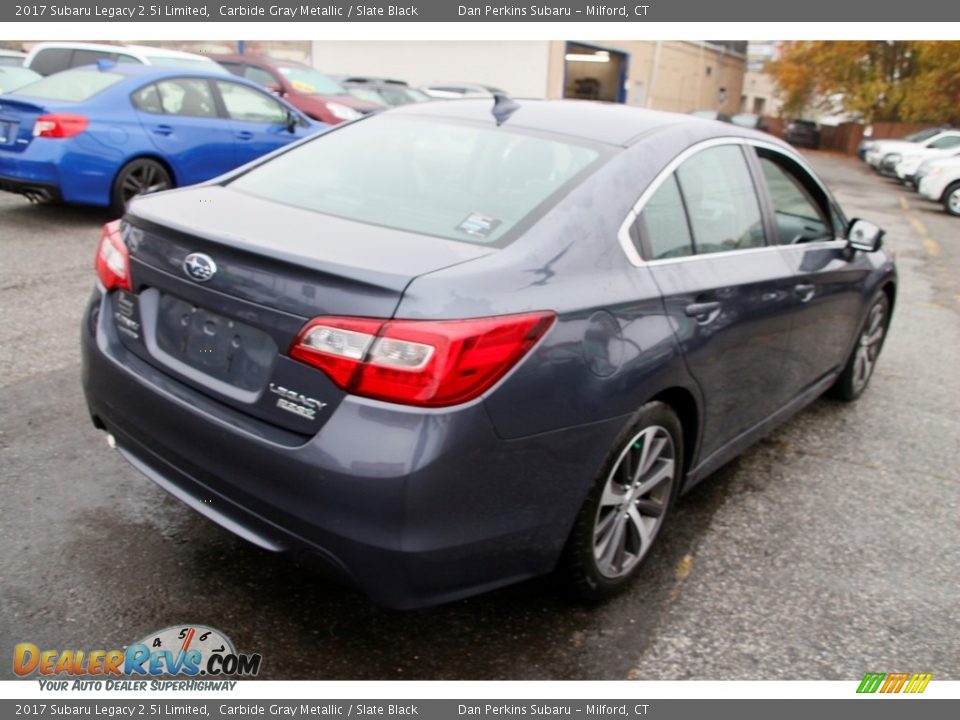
point(244, 135)
point(702, 310)
point(804, 291)
point(162, 130)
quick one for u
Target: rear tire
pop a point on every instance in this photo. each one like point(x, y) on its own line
point(951, 199)
point(626, 507)
point(863, 358)
point(138, 177)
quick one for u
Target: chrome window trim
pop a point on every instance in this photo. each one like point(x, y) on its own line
point(630, 249)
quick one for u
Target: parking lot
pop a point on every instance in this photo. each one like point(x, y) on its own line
point(828, 550)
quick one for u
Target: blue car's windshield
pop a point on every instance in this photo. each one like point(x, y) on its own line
point(70, 86)
point(457, 181)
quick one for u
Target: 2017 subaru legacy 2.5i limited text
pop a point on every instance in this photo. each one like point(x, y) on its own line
point(459, 344)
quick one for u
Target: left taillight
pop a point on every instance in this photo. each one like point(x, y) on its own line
point(59, 125)
point(113, 259)
point(427, 363)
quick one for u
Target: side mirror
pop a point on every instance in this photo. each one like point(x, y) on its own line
point(275, 89)
point(864, 235)
point(292, 122)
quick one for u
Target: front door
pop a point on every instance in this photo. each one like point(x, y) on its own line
point(726, 291)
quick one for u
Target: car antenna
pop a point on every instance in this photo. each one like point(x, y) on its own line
point(503, 108)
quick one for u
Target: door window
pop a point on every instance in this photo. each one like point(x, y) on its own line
point(246, 104)
point(945, 143)
point(799, 216)
point(188, 97)
point(147, 99)
point(721, 201)
point(663, 224)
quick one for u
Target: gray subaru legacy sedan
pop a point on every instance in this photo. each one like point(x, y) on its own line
point(459, 344)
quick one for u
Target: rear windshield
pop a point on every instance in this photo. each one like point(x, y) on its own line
point(70, 86)
point(456, 181)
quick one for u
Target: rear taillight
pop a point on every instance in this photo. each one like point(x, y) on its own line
point(113, 260)
point(59, 125)
point(430, 363)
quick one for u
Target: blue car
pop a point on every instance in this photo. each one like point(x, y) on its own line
point(100, 135)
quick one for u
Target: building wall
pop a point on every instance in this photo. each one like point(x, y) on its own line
point(760, 94)
point(519, 67)
point(671, 75)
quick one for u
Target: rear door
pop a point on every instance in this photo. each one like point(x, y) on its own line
point(259, 123)
point(727, 291)
point(182, 119)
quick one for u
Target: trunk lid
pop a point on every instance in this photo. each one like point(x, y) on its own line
point(275, 267)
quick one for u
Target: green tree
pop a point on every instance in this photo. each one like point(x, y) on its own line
point(904, 80)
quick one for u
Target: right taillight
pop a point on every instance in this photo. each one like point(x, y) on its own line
point(429, 363)
point(113, 259)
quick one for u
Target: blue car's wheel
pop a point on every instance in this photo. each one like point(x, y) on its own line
point(138, 177)
point(627, 505)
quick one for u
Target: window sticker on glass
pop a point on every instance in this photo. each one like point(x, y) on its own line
point(478, 225)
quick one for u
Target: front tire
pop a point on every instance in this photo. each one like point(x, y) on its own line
point(863, 358)
point(951, 199)
point(626, 506)
point(138, 177)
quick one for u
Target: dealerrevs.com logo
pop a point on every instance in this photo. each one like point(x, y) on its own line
point(180, 650)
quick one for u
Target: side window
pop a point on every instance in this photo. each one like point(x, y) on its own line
point(89, 57)
point(663, 224)
point(721, 201)
point(187, 96)
point(244, 103)
point(945, 143)
point(261, 77)
point(51, 60)
point(799, 215)
point(147, 99)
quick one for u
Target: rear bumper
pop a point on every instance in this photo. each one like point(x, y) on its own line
point(415, 508)
point(33, 189)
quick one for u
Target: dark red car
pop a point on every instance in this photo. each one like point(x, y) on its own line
point(317, 95)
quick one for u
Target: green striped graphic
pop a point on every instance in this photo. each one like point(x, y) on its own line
point(871, 682)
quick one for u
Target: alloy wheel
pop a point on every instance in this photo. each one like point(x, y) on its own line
point(635, 499)
point(868, 346)
point(143, 179)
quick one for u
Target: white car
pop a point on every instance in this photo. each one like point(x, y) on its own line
point(11, 58)
point(884, 155)
point(942, 184)
point(908, 166)
point(52, 57)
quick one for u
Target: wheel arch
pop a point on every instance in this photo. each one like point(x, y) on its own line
point(684, 403)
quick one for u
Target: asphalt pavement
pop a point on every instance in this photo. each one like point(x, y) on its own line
point(830, 549)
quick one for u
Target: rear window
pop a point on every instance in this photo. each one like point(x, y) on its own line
point(456, 181)
point(72, 86)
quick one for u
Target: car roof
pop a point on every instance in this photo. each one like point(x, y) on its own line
point(12, 53)
point(138, 51)
point(165, 52)
point(608, 123)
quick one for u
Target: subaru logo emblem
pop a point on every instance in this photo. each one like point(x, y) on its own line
point(199, 267)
